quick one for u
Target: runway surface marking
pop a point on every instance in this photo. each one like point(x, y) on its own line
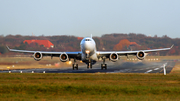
point(148, 71)
point(156, 68)
point(120, 67)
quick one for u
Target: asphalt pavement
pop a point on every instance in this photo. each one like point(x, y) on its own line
point(112, 67)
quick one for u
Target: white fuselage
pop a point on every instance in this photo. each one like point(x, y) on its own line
point(88, 48)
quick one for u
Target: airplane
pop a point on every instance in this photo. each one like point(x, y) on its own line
point(89, 54)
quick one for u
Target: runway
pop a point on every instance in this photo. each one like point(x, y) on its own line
point(113, 67)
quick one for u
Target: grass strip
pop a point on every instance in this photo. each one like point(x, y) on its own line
point(89, 86)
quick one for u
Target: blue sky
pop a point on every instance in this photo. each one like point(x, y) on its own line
point(86, 17)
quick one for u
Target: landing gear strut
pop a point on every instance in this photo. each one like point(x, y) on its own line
point(89, 65)
point(103, 65)
point(75, 66)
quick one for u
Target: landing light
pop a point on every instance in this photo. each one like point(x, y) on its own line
point(87, 51)
point(69, 62)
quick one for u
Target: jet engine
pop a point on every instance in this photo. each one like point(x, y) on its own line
point(113, 57)
point(63, 57)
point(37, 56)
point(140, 55)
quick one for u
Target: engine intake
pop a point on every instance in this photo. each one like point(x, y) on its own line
point(63, 57)
point(37, 56)
point(113, 57)
point(140, 55)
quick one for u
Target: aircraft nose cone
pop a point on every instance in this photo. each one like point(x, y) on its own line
point(88, 46)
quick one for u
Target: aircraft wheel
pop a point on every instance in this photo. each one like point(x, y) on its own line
point(76, 66)
point(91, 66)
point(73, 66)
point(87, 66)
point(105, 67)
point(102, 66)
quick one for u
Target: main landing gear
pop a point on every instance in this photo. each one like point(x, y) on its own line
point(103, 66)
point(75, 66)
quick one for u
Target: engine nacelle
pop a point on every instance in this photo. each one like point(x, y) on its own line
point(63, 57)
point(37, 56)
point(140, 55)
point(113, 57)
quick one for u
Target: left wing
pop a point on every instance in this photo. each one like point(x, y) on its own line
point(139, 53)
point(39, 54)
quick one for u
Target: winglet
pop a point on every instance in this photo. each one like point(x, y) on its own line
point(91, 35)
point(7, 47)
point(172, 46)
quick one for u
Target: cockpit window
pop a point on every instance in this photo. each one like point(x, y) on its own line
point(88, 40)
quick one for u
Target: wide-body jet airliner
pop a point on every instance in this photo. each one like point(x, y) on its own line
point(89, 54)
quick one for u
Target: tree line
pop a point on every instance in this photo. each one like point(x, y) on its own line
point(106, 42)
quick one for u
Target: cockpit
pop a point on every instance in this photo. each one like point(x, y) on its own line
point(87, 39)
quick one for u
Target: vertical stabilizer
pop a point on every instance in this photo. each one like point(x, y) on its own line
point(91, 35)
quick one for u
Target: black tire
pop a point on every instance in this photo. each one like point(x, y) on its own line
point(87, 66)
point(76, 66)
point(73, 66)
point(102, 67)
point(105, 67)
point(91, 66)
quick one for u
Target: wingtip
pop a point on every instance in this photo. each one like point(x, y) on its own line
point(172, 46)
point(7, 47)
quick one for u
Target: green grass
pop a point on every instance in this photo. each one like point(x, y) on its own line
point(90, 87)
point(86, 87)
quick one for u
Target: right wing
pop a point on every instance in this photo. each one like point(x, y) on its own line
point(39, 54)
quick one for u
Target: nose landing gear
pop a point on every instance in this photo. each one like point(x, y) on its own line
point(89, 65)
